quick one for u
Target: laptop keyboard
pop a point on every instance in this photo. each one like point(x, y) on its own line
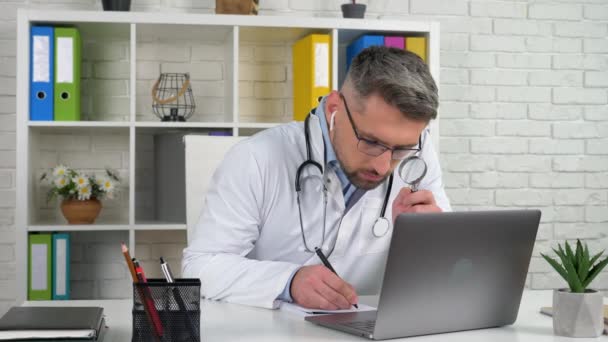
point(367, 326)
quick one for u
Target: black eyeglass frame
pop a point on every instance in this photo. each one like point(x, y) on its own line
point(375, 149)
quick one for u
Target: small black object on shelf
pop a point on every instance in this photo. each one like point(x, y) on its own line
point(172, 98)
point(116, 5)
point(353, 10)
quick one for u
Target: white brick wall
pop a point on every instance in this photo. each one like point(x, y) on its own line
point(524, 96)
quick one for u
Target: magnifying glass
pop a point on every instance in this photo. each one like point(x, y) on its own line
point(412, 170)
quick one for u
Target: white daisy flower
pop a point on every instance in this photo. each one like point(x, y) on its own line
point(84, 193)
point(60, 171)
point(60, 182)
point(99, 181)
point(81, 181)
point(107, 186)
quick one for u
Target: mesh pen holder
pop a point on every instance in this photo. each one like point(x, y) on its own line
point(167, 312)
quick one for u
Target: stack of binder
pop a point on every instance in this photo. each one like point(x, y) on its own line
point(53, 324)
point(55, 73)
point(48, 266)
point(416, 45)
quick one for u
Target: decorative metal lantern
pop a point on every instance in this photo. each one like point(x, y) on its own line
point(172, 98)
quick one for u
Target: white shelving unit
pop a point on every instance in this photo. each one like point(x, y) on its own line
point(116, 98)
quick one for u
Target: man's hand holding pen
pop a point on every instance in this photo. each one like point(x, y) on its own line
point(317, 287)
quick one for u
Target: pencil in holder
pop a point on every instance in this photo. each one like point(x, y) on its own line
point(167, 312)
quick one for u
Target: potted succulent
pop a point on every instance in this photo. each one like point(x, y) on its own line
point(577, 310)
point(353, 10)
point(80, 193)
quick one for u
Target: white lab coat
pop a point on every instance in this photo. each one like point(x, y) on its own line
point(248, 241)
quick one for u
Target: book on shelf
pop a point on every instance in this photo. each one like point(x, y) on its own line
point(359, 44)
point(417, 45)
point(42, 66)
point(39, 267)
point(67, 74)
point(48, 266)
point(61, 266)
point(311, 72)
point(394, 41)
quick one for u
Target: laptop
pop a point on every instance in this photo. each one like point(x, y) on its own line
point(448, 272)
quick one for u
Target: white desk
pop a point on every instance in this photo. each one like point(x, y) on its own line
point(229, 322)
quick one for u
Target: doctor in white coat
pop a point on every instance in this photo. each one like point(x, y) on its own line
point(255, 240)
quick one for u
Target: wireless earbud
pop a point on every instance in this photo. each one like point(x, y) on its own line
point(331, 121)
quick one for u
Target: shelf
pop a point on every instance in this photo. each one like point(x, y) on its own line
point(159, 226)
point(159, 124)
point(105, 227)
point(77, 227)
point(259, 124)
point(108, 124)
point(45, 16)
point(151, 124)
point(241, 75)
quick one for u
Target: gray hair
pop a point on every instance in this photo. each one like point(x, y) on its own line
point(400, 77)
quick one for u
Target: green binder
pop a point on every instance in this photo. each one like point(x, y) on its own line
point(39, 263)
point(67, 74)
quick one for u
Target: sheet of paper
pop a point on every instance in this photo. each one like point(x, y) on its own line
point(304, 312)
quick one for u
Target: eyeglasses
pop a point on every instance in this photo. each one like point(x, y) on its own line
point(375, 149)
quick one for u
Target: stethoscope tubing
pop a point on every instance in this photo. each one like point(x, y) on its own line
point(312, 163)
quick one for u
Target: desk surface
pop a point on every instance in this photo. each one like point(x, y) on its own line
point(230, 322)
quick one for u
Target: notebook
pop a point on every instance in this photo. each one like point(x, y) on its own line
point(68, 323)
point(304, 312)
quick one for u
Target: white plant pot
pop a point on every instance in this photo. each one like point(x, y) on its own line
point(578, 314)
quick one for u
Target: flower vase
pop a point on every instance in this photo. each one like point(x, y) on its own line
point(80, 212)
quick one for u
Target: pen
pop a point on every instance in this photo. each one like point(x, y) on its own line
point(148, 300)
point(328, 265)
point(166, 270)
point(131, 267)
point(178, 298)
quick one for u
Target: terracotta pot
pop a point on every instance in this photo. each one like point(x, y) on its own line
point(80, 212)
point(236, 6)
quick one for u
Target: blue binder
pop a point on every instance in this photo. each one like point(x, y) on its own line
point(361, 43)
point(61, 266)
point(42, 64)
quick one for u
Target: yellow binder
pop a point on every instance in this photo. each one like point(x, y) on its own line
point(416, 45)
point(311, 72)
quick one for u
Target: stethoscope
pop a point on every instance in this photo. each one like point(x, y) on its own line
point(381, 225)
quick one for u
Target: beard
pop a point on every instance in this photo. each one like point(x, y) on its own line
point(354, 175)
point(361, 183)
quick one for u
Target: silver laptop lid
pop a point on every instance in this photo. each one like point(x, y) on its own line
point(455, 271)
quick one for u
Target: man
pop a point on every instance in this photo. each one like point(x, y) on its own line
point(255, 241)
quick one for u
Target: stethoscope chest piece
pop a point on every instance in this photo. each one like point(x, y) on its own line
point(381, 227)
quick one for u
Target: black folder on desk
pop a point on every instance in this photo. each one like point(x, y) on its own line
point(53, 324)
